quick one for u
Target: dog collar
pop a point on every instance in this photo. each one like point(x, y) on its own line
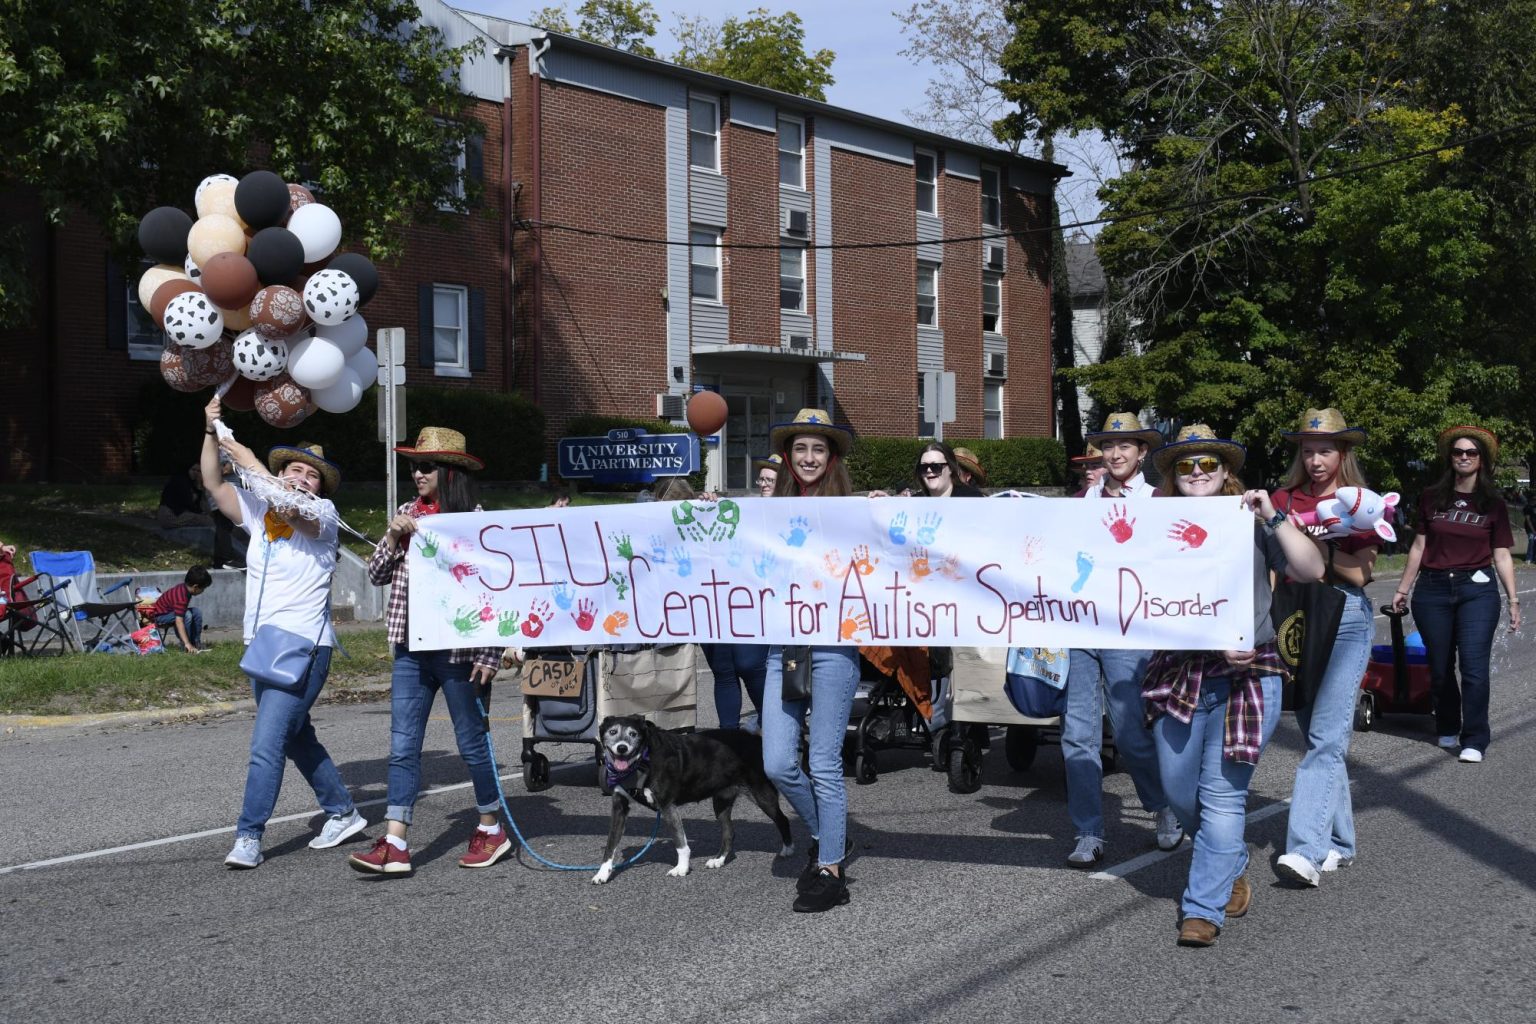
point(642, 762)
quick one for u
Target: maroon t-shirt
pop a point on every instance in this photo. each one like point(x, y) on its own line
point(1299, 502)
point(1461, 537)
point(172, 602)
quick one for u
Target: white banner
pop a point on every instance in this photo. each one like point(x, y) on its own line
point(1163, 573)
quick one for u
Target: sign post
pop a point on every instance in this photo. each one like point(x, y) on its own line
point(390, 342)
point(939, 400)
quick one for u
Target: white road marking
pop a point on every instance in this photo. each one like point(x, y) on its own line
point(1155, 856)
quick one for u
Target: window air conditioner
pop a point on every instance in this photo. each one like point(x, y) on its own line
point(670, 407)
point(798, 342)
point(796, 223)
point(997, 364)
point(994, 257)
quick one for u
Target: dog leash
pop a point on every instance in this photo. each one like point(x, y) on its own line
point(507, 810)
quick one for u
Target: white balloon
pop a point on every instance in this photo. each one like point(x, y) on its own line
point(365, 364)
point(259, 357)
point(193, 320)
point(193, 271)
point(341, 396)
point(349, 335)
point(318, 228)
point(330, 296)
point(315, 363)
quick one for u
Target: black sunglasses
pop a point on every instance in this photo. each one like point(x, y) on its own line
point(932, 468)
point(1465, 453)
point(423, 467)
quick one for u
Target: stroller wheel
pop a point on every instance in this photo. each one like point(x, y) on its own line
point(1021, 744)
point(964, 765)
point(865, 770)
point(1365, 712)
point(536, 775)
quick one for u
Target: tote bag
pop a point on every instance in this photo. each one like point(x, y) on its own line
point(1036, 681)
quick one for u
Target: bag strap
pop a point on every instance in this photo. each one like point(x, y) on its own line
point(330, 580)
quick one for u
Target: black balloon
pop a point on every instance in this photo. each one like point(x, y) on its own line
point(261, 199)
point(276, 253)
point(163, 234)
point(360, 269)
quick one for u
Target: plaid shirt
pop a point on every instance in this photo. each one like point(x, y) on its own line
point(1172, 687)
point(389, 566)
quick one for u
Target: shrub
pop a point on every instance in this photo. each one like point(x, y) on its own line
point(881, 462)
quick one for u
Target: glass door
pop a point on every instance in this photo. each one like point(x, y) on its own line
point(746, 435)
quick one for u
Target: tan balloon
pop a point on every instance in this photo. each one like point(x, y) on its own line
point(156, 276)
point(237, 320)
point(214, 234)
point(219, 198)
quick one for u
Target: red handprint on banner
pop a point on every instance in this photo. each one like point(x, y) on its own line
point(1119, 526)
point(585, 614)
point(1188, 534)
point(534, 624)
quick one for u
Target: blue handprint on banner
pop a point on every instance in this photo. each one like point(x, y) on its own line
point(928, 527)
point(563, 594)
point(897, 530)
point(684, 560)
point(799, 530)
point(763, 564)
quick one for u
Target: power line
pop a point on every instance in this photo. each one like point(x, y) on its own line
point(1022, 233)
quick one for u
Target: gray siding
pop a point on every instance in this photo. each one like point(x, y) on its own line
point(711, 323)
point(791, 198)
point(678, 350)
point(563, 65)
point(821, 230)
point(994, 342)
point(861, 138)
point(753, 112)
point(930, 349)
point(796, 323)
point(482, 75)
point(706, 197)
point(929, 230)
point(963, 165)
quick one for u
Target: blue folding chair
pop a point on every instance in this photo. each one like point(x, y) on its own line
point(89, 618)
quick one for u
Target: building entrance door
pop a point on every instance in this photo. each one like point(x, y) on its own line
point(748, 416)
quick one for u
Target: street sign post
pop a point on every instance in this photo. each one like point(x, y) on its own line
point(390, 343)
point(939, 400)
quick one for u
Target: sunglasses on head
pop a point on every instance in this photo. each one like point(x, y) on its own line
point(932, 468)
point(1206, 463)
point(1465, 453)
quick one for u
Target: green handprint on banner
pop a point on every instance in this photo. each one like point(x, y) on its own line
point(427, 544)
point(506, 624)
point(624, 548)
point(467, 621)
point(688, 528)
point(727, 518)
point(620, 584)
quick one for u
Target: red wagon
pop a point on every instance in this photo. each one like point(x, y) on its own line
point(1396, 678)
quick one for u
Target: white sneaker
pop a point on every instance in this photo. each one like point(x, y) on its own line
point(1448, 742)
point(1470, 755)
point(337, 829)
point(1336, 860)
point(1088, 852)
point(1295, 868)
point(1169, 832)
point(246, 853)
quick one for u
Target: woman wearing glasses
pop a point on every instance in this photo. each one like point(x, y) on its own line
point(1464, 540)
point(1212, 712)
point(443, 474)
point(938, 474)
point(1320, 834)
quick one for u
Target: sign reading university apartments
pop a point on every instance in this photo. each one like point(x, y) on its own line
point(628, 456)
point(1169, 573)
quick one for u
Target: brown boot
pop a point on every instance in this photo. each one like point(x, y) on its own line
point(1242, 895)
point(1197, 931)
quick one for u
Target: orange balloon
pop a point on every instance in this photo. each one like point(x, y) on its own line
point(706, 412)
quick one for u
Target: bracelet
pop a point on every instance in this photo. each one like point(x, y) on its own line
point(211, 432)
point(1275, 521)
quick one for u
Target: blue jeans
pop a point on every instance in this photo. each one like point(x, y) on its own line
point(194, 622)
point(729, 663)
point(822, 800)
point(284, 732)
point(413, 687)
point(1530, 545)
point(1322, 816)
point(1457, 617)
point(1209, 793)
point(1117, 675)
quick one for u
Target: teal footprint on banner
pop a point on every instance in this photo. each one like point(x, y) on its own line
point(1084, 570)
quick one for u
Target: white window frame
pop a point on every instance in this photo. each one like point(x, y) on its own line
point(459, 367)
point(931, 185)
point(460, 170)
point(798, 154)
point(713, 131)
point(988, 389)
point(989, 277)
point(144, 340)
point(704, 254)
point(925, 428)
point(924, 267)
point(798, 251)
point(995, 198)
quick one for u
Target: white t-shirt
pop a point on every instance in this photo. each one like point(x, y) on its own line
point(1135, 487)
point(298, 574)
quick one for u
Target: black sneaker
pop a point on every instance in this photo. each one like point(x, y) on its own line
point(808, 875)
point(825, 892)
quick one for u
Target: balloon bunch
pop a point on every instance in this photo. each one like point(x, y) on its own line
point(253, 301)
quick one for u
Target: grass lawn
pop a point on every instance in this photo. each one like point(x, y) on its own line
point(82, 683)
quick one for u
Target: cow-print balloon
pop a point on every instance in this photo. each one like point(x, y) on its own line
point(194, 271)
point(331, 296)
point(192, 319)
point(259, 357)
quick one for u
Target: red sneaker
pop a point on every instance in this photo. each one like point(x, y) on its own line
point(383, 859)
point(486, 848)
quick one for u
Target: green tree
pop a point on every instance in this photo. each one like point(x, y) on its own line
point(622, 24)
point(758, 48)
point(114, 107)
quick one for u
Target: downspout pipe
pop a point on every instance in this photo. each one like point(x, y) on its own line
point(508, 265)
point(536, 52)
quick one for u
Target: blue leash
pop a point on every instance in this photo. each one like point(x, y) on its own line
point(507, 810)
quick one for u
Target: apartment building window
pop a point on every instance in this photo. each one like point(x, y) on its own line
point(705, 260)
point(927, 164)
point(450, 330)
point(991, 197)
point(792, 278)
point(791, 151)
point(992, 303)
point(704, 133)
point(992, 411)
point(145, 340)
point(928, 295)
point(925, 428)
point(460, 166)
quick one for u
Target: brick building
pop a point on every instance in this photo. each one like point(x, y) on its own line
point(645, 230)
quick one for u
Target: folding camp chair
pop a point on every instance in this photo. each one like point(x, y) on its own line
point(26, 625)
point(90, 619)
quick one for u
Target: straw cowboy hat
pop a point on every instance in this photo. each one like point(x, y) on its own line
point(1488, 439)
point(811, 421)
point(1317, 423)
point(968, 462)
point(1196, 439)
point(773, 463)
point(310, 454)
point(1091, 457)
point(1124, 426)
point(439, 444)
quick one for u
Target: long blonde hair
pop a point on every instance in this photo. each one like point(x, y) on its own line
point(1350, 474)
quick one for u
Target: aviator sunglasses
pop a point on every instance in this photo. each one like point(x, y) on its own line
point(1207, 464)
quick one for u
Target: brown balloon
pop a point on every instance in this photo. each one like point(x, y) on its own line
point(230, 280)
point(277, 311)
point(173, 367)
point(164, 293)
point(281, 402)
point(298, 196)
point(241, 397)
point(213, 365)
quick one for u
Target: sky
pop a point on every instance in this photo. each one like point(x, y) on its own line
point(872, 77)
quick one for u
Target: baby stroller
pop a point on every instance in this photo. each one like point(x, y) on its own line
point(1396, 678)
point(660, 683)
point(897, 697)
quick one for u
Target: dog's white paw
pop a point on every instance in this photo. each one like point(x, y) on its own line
point(679, 871)
point(789, 849)
point(715, 862)
point(603, 874)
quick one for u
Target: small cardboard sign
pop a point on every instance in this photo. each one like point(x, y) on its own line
point(553, 677)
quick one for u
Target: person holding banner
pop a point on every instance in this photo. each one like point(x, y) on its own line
point(939, 474)
point(813, 450)
point(443, 471)
point(1320, 835)
point(1108, 679)
point(1212, 712)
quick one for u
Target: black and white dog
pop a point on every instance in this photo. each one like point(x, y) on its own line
point(663, 770)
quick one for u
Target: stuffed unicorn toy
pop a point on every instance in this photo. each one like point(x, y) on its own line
point(1353, 512)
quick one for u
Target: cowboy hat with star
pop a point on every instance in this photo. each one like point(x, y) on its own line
point(440, 444)
point(1325, 423)
point(1196, 439)
point(310, 454)
point(773, 463)
point(1124, 426)
point(811, 421)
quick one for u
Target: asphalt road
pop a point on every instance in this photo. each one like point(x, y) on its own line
point(962, 907)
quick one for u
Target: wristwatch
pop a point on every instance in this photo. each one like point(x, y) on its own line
point(1274, 521)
